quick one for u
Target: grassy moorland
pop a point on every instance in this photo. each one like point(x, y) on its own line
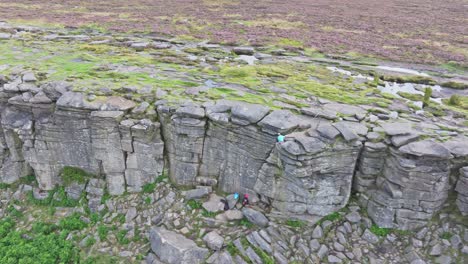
point(423, 31)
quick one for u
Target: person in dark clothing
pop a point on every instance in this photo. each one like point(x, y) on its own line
point(226, 204)
point(245, 201)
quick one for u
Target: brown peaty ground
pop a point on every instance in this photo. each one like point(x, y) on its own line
point(421, 31)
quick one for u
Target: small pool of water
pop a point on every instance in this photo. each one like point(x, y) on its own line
point(394, 88)
point(348, 73)
point(402, 70)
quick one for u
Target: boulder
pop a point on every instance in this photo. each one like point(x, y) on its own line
point(318, 232)
point(55, 89)
point(370, 237)
point(196, 193)
point(400, 140)
point(345, 109)
point(232, 201)
point(40, 98)
point(328, 131)
point(213, 240)
point(347, 133)
point(191, 111)
point(77, 100)
point(243, 50)
point(4, 36)
point(255, 217)
point(319, 112)
point(458, 146)
point(29, 77)
point(426, 148)
point(214, 204)
point(233, 214)
point(172, 248)
point(245, 114)
point(397, 128)
point(280, 121)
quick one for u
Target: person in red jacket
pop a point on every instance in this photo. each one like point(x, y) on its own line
point(245, 201)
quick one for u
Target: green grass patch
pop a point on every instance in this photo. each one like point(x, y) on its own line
point(409, 79)
point(454, 66)
point(29, 180)
point(286, 42)
point(388, 96)
point(333, 217)
point(295, 223)
point(237, 72)
point(455, 85)
point(266, 258)
point(380, 231)
point(403, 232)
point(103, 232)
point(232, 249)
point(149, 187)
point(95, 217)
point(161, 178)
point(56, 198)
point(121, 237)
point(446, 235)
point(120, 218)
point(427, 96)
point(194, 204)
point(90, 242)
point(12, 211)
point(206, 213)
point(106, 196)
point(411, 96)
point(74, 175)
point(246, 223)
point(458, 101)
point(72, 222)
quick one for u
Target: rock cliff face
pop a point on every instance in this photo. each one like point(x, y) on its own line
point(402, 177)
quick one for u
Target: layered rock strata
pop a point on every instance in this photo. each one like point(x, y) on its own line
point(462, 189)
point(404, 181)
point(403, 177)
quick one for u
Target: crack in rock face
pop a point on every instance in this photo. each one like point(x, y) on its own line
point(232, 146)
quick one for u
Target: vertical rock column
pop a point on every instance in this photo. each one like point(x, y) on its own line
point(184, 134)
point(107, 149)
point(413, 186)
point(16, 124)
point(144, 150)
point(370, 166)
point(235, 147)
point(462, 189)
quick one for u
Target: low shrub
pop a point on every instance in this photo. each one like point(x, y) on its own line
point(41, 245)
